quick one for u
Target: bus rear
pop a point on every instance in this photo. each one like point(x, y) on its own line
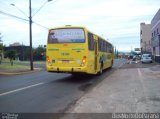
point(66, 50)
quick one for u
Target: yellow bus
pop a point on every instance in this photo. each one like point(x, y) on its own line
point(75, 49)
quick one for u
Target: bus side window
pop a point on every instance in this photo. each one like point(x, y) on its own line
point(100, 44)
point(90, 42)
point(110, 49)
point(107, 49)
point(104, 46)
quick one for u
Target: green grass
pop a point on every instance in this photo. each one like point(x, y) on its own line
point(5, 60)
point(18, 66)
point(28, 62)
point(39, 62)
point(7, 66)
point(24, 62)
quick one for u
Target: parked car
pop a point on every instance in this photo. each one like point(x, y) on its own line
point(146, 58)
point(136, 57)
point(130, 57)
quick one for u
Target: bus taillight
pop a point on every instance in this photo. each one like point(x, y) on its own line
point(83, 60)
point(48, 60)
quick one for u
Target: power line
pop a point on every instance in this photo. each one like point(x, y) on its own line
point(40, 25)
point(39, 8)
point(10, 15)
point(19, 10)
point(13, 16)
point(43, 6)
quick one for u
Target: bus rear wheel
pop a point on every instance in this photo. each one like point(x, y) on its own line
point(101, 70)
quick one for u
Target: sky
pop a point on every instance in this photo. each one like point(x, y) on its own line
point(115, 20)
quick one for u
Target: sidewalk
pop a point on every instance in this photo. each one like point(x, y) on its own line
point(133, 90)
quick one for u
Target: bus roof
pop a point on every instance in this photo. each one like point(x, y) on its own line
point(70, 26)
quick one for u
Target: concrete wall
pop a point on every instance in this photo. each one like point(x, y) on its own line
point(145, 37)
point(155, 31)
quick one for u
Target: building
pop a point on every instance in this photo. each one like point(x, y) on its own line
point(15, 44)
point(21, 50)
point(145, 38)
point(155, 30)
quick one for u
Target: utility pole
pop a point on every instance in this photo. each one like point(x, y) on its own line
point(30, 26)
point(30, 34)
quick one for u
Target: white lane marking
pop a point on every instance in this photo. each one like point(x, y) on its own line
point(139, 72)
point(121, 65)
point(16, 90)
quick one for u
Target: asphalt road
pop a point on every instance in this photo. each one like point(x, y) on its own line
point(44, 92)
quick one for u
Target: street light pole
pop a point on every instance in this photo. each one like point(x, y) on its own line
point(30, 28)
point(30, 34)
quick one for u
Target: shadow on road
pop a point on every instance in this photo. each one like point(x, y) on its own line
point(76, 79)
point(82, 78)
point(85, 81)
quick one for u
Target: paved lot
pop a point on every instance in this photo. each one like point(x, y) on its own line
point(133, 88)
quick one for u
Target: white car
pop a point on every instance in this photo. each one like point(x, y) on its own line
point(146, 58)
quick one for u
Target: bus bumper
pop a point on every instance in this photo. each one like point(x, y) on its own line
point(67, 69)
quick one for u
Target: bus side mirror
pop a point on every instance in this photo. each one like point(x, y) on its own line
point(44, 46)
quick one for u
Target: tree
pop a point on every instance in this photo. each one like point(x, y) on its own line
point(11, 54)
point(39, 53)
point(1, 52)
point(1, 49)
point(0, 37)
point(117, 53)
point(26, 54)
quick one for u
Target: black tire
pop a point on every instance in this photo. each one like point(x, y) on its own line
point(111, 64)
point(101, 70)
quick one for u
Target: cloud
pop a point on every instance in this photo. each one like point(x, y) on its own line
point(117, 20)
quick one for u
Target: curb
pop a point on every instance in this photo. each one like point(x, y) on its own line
point(23, 72)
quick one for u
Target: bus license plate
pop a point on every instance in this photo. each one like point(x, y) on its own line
point(65, 61)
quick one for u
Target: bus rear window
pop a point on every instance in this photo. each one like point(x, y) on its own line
point(73, 35)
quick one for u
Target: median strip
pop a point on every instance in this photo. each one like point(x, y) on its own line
point(16, 90)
